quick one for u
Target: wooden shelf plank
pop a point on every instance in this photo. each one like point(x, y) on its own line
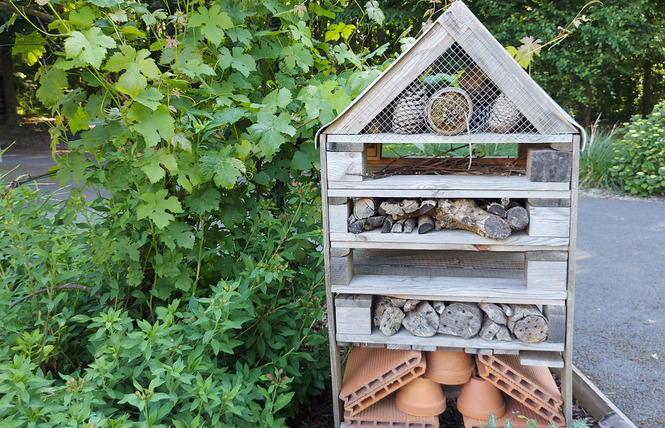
point(460, 240)
point(446, 341)
point(480, 138)
point(451, 289)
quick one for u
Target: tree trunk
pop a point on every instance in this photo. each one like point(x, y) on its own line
point(465, 214)
point(8, 88)
point(647, 86)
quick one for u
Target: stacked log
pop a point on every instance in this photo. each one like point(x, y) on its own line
point(488, 219)
point(489, 321)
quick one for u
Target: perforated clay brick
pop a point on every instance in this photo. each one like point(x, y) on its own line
point(386, 414)
point(513, 409)
point(373, 373)
point(532, 386)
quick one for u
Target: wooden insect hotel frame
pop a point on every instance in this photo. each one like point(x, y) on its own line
point(455, 87)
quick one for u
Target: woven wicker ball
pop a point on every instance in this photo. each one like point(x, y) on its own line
point(449, 111)
point(504, 115)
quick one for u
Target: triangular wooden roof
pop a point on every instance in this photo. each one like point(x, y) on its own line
point(457, 25)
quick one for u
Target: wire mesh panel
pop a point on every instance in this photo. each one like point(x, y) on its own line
point(453, 96)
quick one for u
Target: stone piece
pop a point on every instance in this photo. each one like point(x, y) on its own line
point(489, 330)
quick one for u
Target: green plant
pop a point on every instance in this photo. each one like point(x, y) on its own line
point(596, 161)
point(531, 423)
point(639, 161)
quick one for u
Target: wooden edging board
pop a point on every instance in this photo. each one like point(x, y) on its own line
point(592, 399)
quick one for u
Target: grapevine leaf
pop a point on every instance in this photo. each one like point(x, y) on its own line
point(156, 207)
point(52, 84)
point(340, 29)
point(153, 164)
point(374, 12)
point(153, 125)
point(150, 98)
point(90, 46)
point(239, 60)
point(107, 3)
point(83, 18)
point(72, 166)
point(30, 47)
point(212, 23)
point(203, 201)
point(321, 102)
point(180, 140)
point(223, 169)
point(138, 68)
point(230, 115)
point(306, 158)
point(178, 234)
point(195, 68)
point(269, 132)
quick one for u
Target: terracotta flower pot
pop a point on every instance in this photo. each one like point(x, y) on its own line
point(478, 398)
point(449, 367)
point(421, 397)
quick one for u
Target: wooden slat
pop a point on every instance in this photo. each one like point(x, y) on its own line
point(541, 359)
point(436, 182)
point(338, 215)
point(497, 64)
point(446, 240)
point(393, 81)
point(341, 269)
point(377, 192)
point(481, 138)
point(345, 166)
point(545, 275)
point(353, 314)
point(440, 340)
point(451, 289)
point(557, 315)
point(548, 221)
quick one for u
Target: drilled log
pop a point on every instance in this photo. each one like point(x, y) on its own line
point(465, 214)
point(398, 227)
point(497, 209)
point(528, 324)
point(461, 319)
point(422, 321)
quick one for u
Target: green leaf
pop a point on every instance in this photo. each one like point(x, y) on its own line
point(72, 166)
point(83, 18)
point(306, 158)
point(283, 400)
point(279, 98)
point(138, 69)
point(203, 201)
point(194, 68)
point(154, 163)
point(153, 125)
point(30, 47)
point(178, 234)
point(211, 22)
point(374, 12)
point(149, 97)
point(180, 141)
point(156, 207)
point(90, 46)
point(239, 60)
point(107, 3)
point(269, 132)
point(297, 55)
point(321, 102)
point(230, 115)
point(53, 83)
point(223, 169)
point(339, 29)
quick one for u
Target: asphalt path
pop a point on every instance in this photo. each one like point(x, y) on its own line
point(619, 339)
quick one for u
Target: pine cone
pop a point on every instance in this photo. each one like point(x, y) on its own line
point(408, 116)
point(504, 115)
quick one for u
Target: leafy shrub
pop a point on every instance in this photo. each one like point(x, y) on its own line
point(639, 162)
point(596, 161)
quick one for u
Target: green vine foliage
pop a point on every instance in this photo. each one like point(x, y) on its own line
point(639, 161)
point(190, 291)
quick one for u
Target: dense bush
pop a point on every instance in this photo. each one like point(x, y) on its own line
point(639, 161)
point(191, 289)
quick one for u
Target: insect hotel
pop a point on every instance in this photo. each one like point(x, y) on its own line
point(450, 195)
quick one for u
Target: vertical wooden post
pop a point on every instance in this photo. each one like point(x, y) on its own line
point(335, 361)
point(567, 371)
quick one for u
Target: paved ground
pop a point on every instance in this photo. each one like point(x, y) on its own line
point(620, 294)
point(620, 304)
